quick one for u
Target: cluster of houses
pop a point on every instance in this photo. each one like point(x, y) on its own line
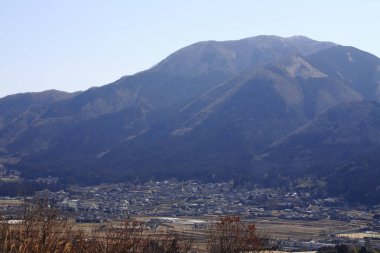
point(194, 199)
point(176, 199)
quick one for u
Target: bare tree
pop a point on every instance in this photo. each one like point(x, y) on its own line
point(40, 231)
point(43, 231)
point(231, 235)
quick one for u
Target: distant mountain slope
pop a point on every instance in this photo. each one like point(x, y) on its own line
point(18, 111)
point(14, 105)
point(340, 146)
point(357, 69)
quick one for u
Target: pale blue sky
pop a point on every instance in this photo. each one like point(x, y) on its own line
point(75, 44)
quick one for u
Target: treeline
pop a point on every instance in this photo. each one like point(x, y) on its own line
point(27, 188)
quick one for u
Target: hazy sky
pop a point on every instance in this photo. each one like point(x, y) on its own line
point(75, 44)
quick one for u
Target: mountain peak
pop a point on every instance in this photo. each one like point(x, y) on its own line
point(236, 56)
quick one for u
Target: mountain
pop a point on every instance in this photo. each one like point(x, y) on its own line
point(181, 77)
point(212, 111)
point(226, 126)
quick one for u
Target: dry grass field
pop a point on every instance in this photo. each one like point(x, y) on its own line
point(304, 230)
point(10, 202)
point(276, 228)
point(168, 230)
point(360, 235)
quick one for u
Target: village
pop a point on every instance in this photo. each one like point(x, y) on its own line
point(194, 199)
point(195, 205)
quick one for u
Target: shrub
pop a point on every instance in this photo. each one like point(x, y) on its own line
point(231, 235)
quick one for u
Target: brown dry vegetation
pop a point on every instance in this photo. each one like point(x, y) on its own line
point(41, 230)
point(231, 235)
